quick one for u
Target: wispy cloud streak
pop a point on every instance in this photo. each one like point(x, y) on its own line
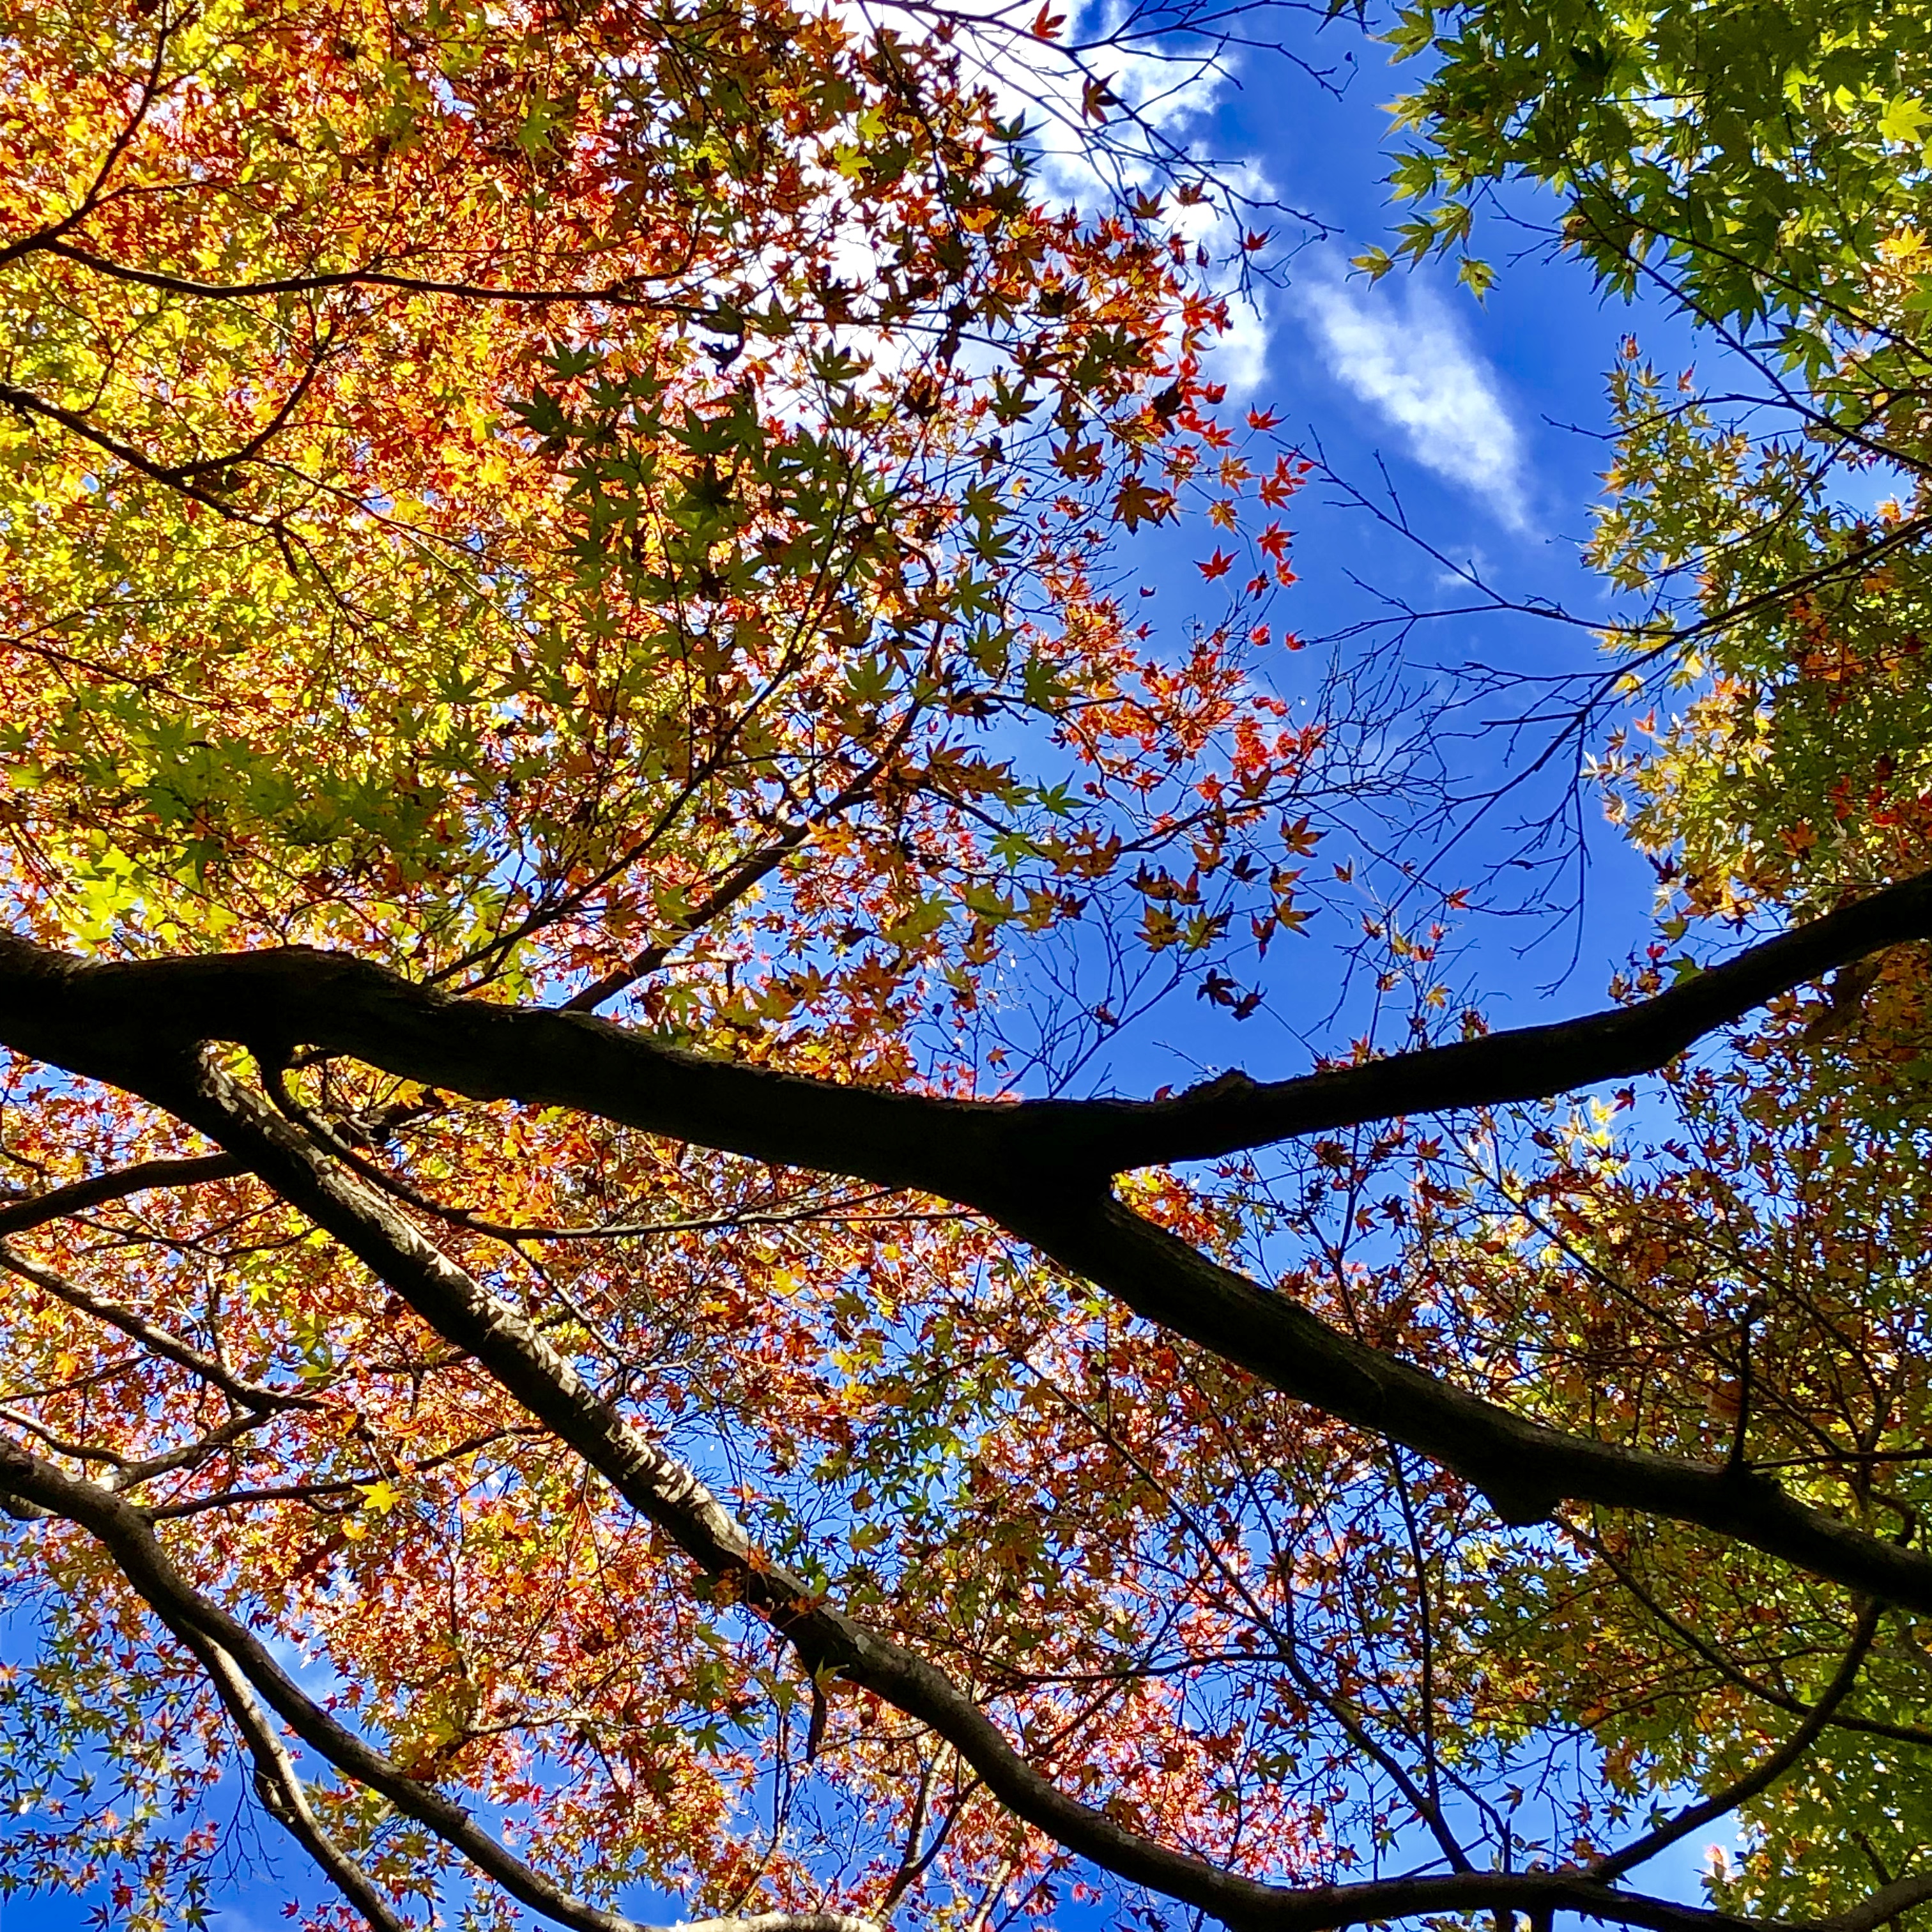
point(1405, 355)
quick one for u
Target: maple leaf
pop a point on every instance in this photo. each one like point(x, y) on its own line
point(1136, 502)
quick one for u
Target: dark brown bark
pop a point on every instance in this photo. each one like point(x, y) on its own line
point(1039, 1167)
point(107, 1020)
point(662, 1489)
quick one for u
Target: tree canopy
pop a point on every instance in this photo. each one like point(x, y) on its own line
point(586, 798)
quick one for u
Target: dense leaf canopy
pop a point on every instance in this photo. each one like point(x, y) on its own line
point(584, 801)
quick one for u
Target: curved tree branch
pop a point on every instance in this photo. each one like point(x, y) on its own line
point(1246, 1904)
point(279, 1786)
point(1037, 1167)
point(124, 1532)
point(1762, 1776)
point(106, 1020)
point(76, 1197)
point(671, 1495)
point(1524, 1468)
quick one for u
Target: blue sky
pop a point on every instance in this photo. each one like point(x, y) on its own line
point(1464, 409)
point(1480, 424)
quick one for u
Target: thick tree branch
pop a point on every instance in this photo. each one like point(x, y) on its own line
point(1525, 1468)
point(671, 1495)
point(279, 1786)
point(16, 1216)
point(124, 1532)
point(1237, 1901)
point(240, 1668)
point(1033, 1166)
point(106, 1019)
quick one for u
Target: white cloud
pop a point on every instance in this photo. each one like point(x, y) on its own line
point(1173, 85)
point(1174, 89)
point(1240, 356)
point(1406, 355)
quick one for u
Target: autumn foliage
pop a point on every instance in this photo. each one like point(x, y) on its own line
point(586, 791)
